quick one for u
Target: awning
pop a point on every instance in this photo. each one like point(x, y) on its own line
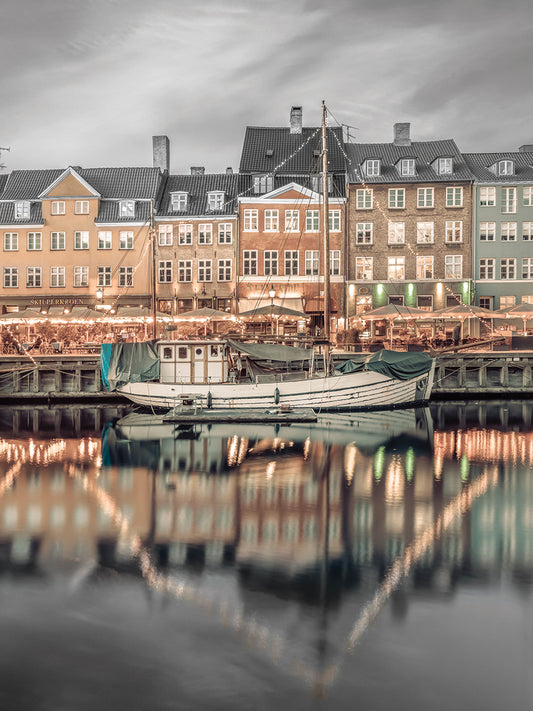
point(250, 304)
point(316, 306)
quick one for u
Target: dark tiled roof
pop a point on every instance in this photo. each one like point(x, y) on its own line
point(424, 152)
point(264, 148)
point(3, 180)
point(109, 212)
point(338, 184)
point(28, 184)
point(197, 187)
point(479, 165)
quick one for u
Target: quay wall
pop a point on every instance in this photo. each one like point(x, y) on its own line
point(74, 377)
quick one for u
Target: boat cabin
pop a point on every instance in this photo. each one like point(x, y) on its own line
point(193, 362)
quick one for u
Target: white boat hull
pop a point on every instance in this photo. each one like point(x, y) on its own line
point(365, 390)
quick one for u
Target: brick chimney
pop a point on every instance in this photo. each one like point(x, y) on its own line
point(296, 119)
point(526, 148)
point(161, 153)
point(197, 170)
point(402, 134)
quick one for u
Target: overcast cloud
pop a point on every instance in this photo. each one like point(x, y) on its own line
point(89, 82)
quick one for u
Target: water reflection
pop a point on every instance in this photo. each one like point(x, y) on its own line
point(358, 508)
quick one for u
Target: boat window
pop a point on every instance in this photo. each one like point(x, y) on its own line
point(167, 353)
point(199, 351)
point(214, 350)
point(182, 352)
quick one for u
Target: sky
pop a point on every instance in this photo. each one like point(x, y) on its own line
point(89, 82)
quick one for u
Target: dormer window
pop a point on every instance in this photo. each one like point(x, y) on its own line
point(22, 210)
point(178, 201)
point(263, 184)
point(126, 208)
point(316, 183)
point(372, 167)
point(215, 200)
point(407, 166)
point(506, 167)
point(445, 166)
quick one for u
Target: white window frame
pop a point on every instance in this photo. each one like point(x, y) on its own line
point(32, 240)
point(453, 266)
point(527, 267)
point(81, 240)
point(104, 276)
point(292, 220)
point(508, 268)
point(11, 241)
point(508, 200)
point(334, 220)
point(81, 207)
point(205, 270)
point(205, 233)
point(527, 231)
point(487, 266)
point(164, 271)
point(291, 261)
point(11, 277)
point(364, 233)
point(270, 262)
point(81, 276)
point(312, 262)
point(249, 262)
point(407, 166)
point(105, 239)
point(125, 239)
point(425, 232)
point(271, 220)
point(250, 220)
point(425, 198)
point(126, 208)
point(454, 196)
point(178, 201)
point(184, 233)
point(184, 271)
point(312, 220)
point(57, 241)
point(373, 167)
point(508, 231)
point(487, 231)
point(165, 235)
point(396, 268)
point(57, 277)
point(215, 200)
point(396, 198)
point(527, 196)
point(487, 196)
point(454, 232)
point(125, 277)
point(263, 183)
point(424, 267)
point(224, 268)
point(505, 167)
point(364, 268)
point(22, 209)
point(445, 166)
point(396, 233)
point(334, 262)
point(225, 233)
point(364, 199)
point(57, 207)
point(34, 277)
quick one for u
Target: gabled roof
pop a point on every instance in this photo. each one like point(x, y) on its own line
point(197, 187)
point(424, 152)
point(282, 189)
point(479, 164)
point(69, 171)
point(265, 148)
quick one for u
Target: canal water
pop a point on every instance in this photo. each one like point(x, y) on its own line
point(374, 561)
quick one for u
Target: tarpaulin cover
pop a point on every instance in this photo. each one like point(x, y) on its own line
point(122, 363)
point(400, 365)
point(278, 353)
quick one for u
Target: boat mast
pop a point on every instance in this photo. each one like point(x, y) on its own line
point(154, 273)
point(325, 226)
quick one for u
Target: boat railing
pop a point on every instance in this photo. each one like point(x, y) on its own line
point(281, 377)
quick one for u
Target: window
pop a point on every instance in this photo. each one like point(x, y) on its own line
point(22, 210)
point(527, 268)
point(425, 232)
point(316, 183)
point(372, 167)
point(454, 197)
point(81, 207)
point(11, 241)
point(185, 234)
point(486, 268)
point(57, 276)
point(396, 232)
point(81, 240)
point(424, 267)
point(224, 270)
point(263, 184)
point(424, 197)
point(178, 201)
point(104, 240)
point(249, 262)
point(311, 262)
point(454, 231)
point(57, 241)
point(506, 167)
point(424, 302)
point(527, 231)
point(57, 207)
point(487, 197)
point(445, 166)
point(81, 276)
point(291, 262)
point(527, 299)
point(225, 233)
point(126, 208)
point(125, 276)
point(165, 271)
point(11, 277)
point(292, 220)
point(364, 199)
point(215, 200)
point(407, 166)
point(165, 235)
point(35, 241)
point(335, 262)
point(250, 221)
point(125, 240)
point(312, 220)
point(205, 234)
point(185, 270)
point(363, 268)
point(508, 231)
point(508, 268)
point(508, 200)
point(33, 277)
point(487, 231)
point(528, 197)
point(103, 276)
point(205, 270)
point(506, 302)
point(271, 220)
point(453, 266)
point(334, 220)
point(396, 198)
point(363, 233)
point(270, 262)
point(396, 268)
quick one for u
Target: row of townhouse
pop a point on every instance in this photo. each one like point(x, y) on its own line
point(418, 223)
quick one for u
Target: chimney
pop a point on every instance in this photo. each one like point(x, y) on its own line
point(161, 153)
point(197, 170)
point(402, 135)
point(526, 148)
point(296, 119)
point(229, 171)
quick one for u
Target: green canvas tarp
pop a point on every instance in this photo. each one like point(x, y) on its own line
point(402, 366)
point(274, 352)
point(123, 363)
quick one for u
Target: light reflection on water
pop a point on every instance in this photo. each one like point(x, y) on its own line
point(299, 540)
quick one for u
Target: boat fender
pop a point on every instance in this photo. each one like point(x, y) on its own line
point(209, 400)
point(276, 396)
